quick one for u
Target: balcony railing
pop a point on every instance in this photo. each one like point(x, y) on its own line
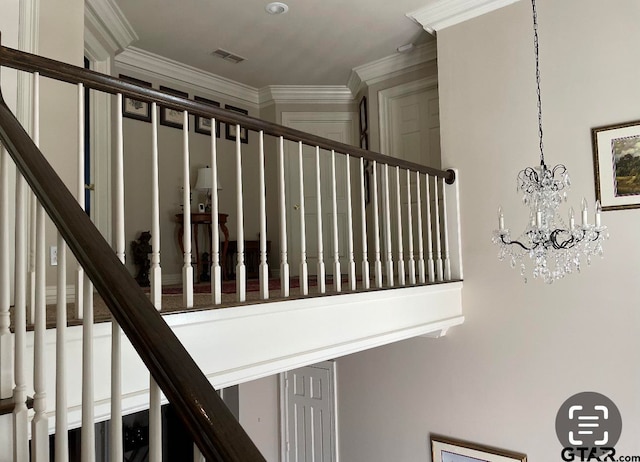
point(397, 225)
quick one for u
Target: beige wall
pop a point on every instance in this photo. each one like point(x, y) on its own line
point(525, 348)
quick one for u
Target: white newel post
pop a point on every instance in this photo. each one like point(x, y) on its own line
point(453, 220)
point(445, 233)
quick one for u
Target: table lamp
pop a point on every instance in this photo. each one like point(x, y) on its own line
point(205, 183)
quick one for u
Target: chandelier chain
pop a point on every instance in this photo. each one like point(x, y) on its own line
point(535, 43)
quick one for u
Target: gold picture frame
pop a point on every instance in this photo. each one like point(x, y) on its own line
point(445, 449)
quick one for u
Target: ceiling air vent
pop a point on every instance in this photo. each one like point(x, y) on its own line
point(228, 56)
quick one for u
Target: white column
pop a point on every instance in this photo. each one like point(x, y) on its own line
point(61, 436)
point(363, 215)
point(6, 344)
point(241, 271)
point(304, 272)
point(216, 270)
point(337, 278)
point(155, 270)
point(421, 267)
point(187, 268)
point(20, 411)
point(351, 259)
point(377, 265)
point(411, 263)
point(321, 276)
point(284, 265)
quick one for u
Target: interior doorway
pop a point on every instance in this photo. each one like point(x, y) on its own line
point(308, 413)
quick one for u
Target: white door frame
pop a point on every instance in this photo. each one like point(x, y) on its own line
point(284, 414)
point(385, 97)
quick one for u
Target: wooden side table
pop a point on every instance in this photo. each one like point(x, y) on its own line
point(204, 219)
point(251, 258)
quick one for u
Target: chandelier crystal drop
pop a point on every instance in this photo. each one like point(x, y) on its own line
point(554, 248)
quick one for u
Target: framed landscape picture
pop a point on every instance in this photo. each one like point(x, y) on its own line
point(616, 158)
point(133, 108)
point(203, 124)
point(170, 117)
point(444, 449)
point(231, 129)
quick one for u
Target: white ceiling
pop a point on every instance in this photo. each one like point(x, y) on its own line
point(317, 42)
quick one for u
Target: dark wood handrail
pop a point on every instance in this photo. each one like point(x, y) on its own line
point(213, 427)
point(72, 74)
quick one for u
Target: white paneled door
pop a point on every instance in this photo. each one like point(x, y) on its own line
point(338, 127)
point(309, 420)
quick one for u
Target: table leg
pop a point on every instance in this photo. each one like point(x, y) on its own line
point(225, 247)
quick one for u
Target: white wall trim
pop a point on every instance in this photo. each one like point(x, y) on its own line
point(305, 94)
point(444, 13)
point(384, 100)
point(391, 66)
point(109, 22)
point(147, 63)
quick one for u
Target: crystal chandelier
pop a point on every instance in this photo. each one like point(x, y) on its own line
point(555, 249)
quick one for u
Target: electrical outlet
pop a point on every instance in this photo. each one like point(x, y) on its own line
point(53, 255)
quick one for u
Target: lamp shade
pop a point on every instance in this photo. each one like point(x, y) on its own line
point(204, 181)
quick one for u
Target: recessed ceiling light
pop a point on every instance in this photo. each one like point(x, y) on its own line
point(276, 8)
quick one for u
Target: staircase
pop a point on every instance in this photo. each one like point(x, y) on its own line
point(85, 372)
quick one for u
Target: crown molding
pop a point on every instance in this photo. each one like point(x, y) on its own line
point(166, 69)
point(444, 13)
point(305, 94)
point(390, 66)
point(108, 22)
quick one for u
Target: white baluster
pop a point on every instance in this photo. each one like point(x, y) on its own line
point(115, 429)
point(155, 270)
point(264, 266)
point(445, 230)
point(377, 265)
point(304, 272)
point(6, 346)
point(337, 277)
point(351, 261)
point(411, 263)
point(155, 419)
point(439, 272)
point(421, 268)
point(40, 422)
point(363, 215)
point(80, 191)
point(31, 301)
point(284, 265)
point(401, 273)
point(241, 271)
point(20, 411)
point(197, 455)
point(216, 270)
point(61, 437)
point(187, 268)
point(387, 229)
point(321, 276)
point(88, 433)
point(429, 234)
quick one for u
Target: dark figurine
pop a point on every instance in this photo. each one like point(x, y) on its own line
point(141, 250)
point(206, 275)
